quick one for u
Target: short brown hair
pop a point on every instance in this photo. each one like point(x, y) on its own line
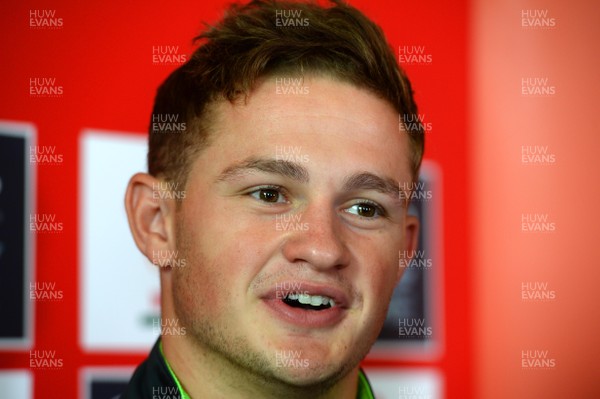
point(336, 40)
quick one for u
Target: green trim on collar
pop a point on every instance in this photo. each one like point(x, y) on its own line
point(182, 392)
point(364, 389)
point(363, 392)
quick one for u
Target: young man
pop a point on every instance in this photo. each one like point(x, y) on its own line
point(275, 205)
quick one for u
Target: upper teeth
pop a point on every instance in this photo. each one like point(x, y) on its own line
point(313, 300)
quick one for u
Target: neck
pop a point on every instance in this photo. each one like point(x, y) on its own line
point(206, 374)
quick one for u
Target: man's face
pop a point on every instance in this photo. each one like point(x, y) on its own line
point(291, 230)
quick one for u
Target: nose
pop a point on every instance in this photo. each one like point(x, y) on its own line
point(321, 243)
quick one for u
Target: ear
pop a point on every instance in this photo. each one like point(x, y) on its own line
point(151, 218)
point(411, 242)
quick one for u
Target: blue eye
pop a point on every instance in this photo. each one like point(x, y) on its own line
point(366, 209)
point(271, 195)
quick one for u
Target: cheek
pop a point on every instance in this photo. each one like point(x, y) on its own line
point(377, 277)
point(382, 282)
point(224, 253)
point(379, 268)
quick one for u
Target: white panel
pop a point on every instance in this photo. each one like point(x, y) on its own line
point(119, 288)
point(16, 384)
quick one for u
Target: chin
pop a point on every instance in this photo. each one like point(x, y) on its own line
point(308, 377)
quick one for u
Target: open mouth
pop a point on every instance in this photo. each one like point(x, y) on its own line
point(312, 306)
point(308, 302)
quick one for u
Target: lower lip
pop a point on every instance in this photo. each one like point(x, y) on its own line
point(305, 318)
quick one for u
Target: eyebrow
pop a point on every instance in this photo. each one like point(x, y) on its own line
point(370, 181)
point(281, 167)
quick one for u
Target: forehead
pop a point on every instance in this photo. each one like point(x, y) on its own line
point(332, 104)
point(319, 114)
